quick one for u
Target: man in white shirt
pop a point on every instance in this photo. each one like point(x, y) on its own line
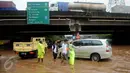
point(64, 51)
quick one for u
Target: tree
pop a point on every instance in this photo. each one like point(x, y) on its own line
point(105, 36)
point(55, 37)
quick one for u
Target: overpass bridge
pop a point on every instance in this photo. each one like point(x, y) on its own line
point(68, 18)
point(64, 21)
point(15, 23)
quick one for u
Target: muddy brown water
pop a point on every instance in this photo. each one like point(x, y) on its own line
point(119, 63)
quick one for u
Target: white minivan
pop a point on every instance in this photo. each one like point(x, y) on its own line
point(94, 49)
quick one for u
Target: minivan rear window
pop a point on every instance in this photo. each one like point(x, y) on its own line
point(96, 43)
point(87, 43)
point(108, 42)
point(78, 43)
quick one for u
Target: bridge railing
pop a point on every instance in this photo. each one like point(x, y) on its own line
point(69, 14)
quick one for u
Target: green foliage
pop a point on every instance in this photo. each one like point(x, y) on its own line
point(54, 37)
point(103, 36)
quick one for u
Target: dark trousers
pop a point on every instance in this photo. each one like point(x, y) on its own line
point(54, 55)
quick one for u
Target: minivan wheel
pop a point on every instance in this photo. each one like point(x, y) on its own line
point(95, 57)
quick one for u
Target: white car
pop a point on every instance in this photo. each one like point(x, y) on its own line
point(94, 49)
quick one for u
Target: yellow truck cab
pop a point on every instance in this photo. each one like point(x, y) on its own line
point(28, 49)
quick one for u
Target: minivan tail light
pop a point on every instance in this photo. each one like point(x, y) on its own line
point(107, 50)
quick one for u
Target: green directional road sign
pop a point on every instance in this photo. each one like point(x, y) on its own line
point(38, 13)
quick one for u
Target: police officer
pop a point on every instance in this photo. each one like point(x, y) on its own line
point(41, 50)
point(71, 56)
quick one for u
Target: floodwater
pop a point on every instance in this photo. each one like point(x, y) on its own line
point(119, 63)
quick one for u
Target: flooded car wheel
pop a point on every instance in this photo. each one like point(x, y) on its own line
point(95, 57)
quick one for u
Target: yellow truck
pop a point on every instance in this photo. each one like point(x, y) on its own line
point(28, 49)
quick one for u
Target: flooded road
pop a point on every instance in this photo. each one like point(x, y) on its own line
point(119, 63)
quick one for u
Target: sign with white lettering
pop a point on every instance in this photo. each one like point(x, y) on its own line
point(38, 13)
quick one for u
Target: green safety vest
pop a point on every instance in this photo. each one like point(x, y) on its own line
point(71, 54)
point(41, 48)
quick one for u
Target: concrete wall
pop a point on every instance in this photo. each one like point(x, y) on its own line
point(120, 9)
